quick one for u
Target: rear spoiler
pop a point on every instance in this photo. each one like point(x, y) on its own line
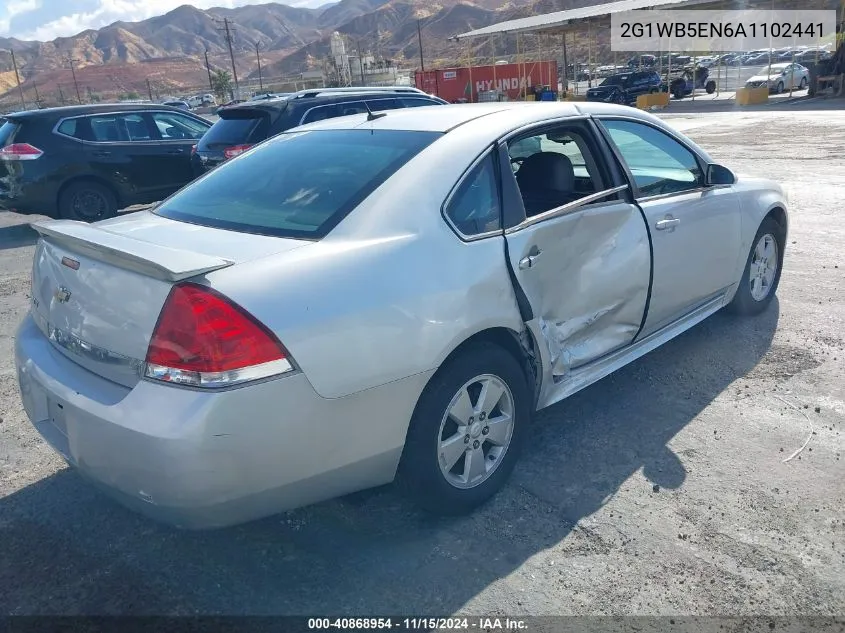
point(160, 262)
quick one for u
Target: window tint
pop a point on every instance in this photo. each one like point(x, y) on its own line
point(176, 126)
point(377, 105)
point(659, 163)
point(107, 128)
point(297, 184)
point(553, 168)
point(7, 132)
point(350, 108)
point(70, 127)
point(414, 102)
point(320, 113)
point(474, 208)
point(236, 129)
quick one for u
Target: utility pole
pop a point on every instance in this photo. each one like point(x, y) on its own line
point(208, 70)
point(149, 89)
point(419, 39)
point(228, 33)
point(360, 62)
point(258, 57)
point(70, 61)
point(18, 78)
point(61, 96)
point(37, 98)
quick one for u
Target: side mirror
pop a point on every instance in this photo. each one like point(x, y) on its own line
point(719, 175)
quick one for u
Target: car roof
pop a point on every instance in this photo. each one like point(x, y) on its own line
point(76, 110)
point(499, 118)
point(280, 103)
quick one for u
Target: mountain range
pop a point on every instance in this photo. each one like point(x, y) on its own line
point(169, 50)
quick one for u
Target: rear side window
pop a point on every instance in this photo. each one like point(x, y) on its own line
point(297, 185)
point(474, 209)
point(70, 127)
point(247, 127)
point(7, 132)
point(320, 113)
point(413, 102)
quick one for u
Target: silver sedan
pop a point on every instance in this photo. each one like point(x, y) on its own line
point(378, 297)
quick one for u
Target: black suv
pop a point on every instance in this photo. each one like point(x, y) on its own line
point(624, 88)
point(243, 125)
point(86, 162)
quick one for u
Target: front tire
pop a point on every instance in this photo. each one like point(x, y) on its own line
point(87, 202)
point(761, 275)
point(466, 431)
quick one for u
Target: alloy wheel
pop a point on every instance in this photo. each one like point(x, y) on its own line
point(475, 431)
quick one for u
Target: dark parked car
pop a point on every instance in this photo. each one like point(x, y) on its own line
point(179, 105)
point(244, 125)
point(86, 162)
point(624, 88)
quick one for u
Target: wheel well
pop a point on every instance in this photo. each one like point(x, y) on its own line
point(511, 342)
point(779, 216)
point(79, 179)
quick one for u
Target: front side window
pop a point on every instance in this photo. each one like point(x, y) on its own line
point(475, 209)
point(658, 163)
point(298, 184)
point(176, 126)
point(553, 168)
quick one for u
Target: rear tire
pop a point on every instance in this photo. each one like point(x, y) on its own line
point(710, 87)
point(779, 89)
point(452, 428)
point(759, 284)
point(803, 84)
point(87, 201)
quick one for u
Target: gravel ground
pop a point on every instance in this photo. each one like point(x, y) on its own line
point(660, 490)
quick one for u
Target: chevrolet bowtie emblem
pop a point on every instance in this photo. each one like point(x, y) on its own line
point(62, 294)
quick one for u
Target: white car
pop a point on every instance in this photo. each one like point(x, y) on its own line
point(378, 296)
point(782, 77)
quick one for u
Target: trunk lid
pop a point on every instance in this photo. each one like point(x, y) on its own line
point(98, 289)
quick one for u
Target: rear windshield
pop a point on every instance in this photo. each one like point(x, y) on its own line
point(249, 126)
point(300, 184)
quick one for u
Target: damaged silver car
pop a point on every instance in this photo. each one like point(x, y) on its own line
point(377, 297)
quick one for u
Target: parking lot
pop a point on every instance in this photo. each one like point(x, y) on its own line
point(660, 490)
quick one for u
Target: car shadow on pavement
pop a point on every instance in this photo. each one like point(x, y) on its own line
point(67, 549)
point(17, 236)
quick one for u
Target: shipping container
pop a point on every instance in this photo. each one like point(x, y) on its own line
point(515, 81)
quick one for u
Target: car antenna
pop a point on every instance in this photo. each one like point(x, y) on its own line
point(372, 116)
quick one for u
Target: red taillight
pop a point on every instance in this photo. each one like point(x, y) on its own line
point(20, 151)
point(205, 340)
point(235, 150)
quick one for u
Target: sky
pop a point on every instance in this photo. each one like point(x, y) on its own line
point(45, 20)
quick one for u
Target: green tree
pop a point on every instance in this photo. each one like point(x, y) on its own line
point(222, 82)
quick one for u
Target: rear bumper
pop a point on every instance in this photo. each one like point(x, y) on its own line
point(203, 460)
point(25, 196)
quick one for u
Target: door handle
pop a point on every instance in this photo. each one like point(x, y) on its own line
point(101, 152)
point(175, 151)
point(668, 223)
point(528, 260)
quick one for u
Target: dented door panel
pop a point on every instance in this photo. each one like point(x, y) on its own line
point(587, 280)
